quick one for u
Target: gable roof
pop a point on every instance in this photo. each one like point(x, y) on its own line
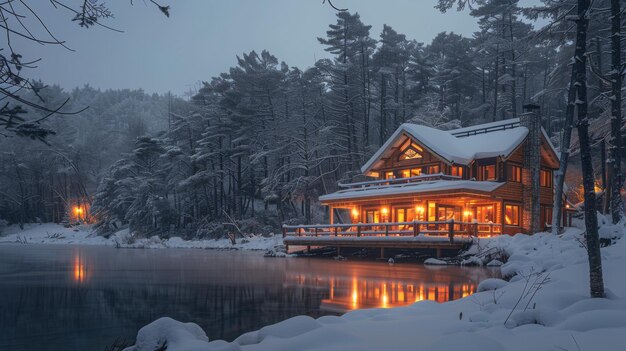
point(459, 146)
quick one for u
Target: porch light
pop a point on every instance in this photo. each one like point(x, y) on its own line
point(384, 211)
point(419, 209)
point(355, 213)
point(467, 213)
point(78, 210)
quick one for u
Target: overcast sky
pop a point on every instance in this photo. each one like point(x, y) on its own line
point(202, 38)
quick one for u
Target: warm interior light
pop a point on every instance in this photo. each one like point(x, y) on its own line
point(384, 211)
point(419, 209)
point(355, 213)
point(467, 213)
point(78, 210)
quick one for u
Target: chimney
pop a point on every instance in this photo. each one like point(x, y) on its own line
point(531, 119)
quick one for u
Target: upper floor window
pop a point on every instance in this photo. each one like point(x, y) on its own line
point(413, 172)
point(434, 169)
point(411, 152)
point(514, 173)
point(545, 178)
point(486, 172)
point(389, 175)
point(457, 171)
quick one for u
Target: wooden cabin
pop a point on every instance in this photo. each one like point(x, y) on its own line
point(479, 174)
point(436, 189)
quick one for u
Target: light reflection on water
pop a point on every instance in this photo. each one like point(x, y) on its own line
point(70, 297)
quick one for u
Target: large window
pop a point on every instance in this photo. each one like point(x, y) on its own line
point(457, 171)
point(514, 173)
point(486, 172)
point(445, 213)
point(545, 178)
point(372, 216)
point(413, 172)
point(485, 214)
point(404, 214)
point(512, 215)
point(434, 169)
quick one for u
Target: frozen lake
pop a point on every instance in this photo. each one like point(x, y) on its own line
point(59, 297)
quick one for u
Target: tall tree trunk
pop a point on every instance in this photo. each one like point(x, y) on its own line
point(596, 283)
point(615, 150)
point(557, 211)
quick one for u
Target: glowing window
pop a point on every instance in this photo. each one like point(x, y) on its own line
point(457, 171)
point(514, 173)
point(487, 172)
point(545, 178)
point(411, 152)
point(511, 214)
point(485, 214)
point(433, 169)
point(389, 175)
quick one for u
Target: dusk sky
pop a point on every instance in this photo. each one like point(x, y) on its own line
point(202, 38)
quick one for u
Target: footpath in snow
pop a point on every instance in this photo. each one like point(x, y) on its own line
point(50, 233)
point(544, 306)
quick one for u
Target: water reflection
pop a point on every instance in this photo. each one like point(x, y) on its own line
point(79, 268)
point(84, 298)
point(349, 293)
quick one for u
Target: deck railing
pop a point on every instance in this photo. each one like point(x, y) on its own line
point(399, 181)
point(449, 228)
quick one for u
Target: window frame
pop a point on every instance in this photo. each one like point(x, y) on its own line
point(481, 169)
point(510, 167)
point(545, 178)
point(518, 223)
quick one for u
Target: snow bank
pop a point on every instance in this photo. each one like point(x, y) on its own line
point(166, 333)
point(545, 306)
point(491, 284)
point(51, 233)
point(435, 262)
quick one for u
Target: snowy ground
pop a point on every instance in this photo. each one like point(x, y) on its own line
point(545, 306)
point(50, 233)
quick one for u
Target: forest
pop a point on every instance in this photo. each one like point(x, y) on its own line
point(255, 146)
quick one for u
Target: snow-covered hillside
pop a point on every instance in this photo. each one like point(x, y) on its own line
point(545, 306)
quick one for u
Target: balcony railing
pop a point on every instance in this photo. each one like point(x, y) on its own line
point(448, 228)
point(398, 181)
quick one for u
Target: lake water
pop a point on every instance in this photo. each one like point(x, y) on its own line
point(58, 297)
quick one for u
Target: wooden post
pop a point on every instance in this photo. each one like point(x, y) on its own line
point(451, 230)
point(316, 231)
point(386, 229)
point(358, 230)
point(416, 228)
point(476, 229)
point(490, 229)
point(336, 230)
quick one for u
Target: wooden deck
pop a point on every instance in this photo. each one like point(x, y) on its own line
point(442, 235)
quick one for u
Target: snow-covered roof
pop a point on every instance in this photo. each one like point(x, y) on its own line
point(459, 146)
point(412, 188)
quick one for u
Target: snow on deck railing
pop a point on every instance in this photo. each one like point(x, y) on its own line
point(394, 181)
point(415, 228)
